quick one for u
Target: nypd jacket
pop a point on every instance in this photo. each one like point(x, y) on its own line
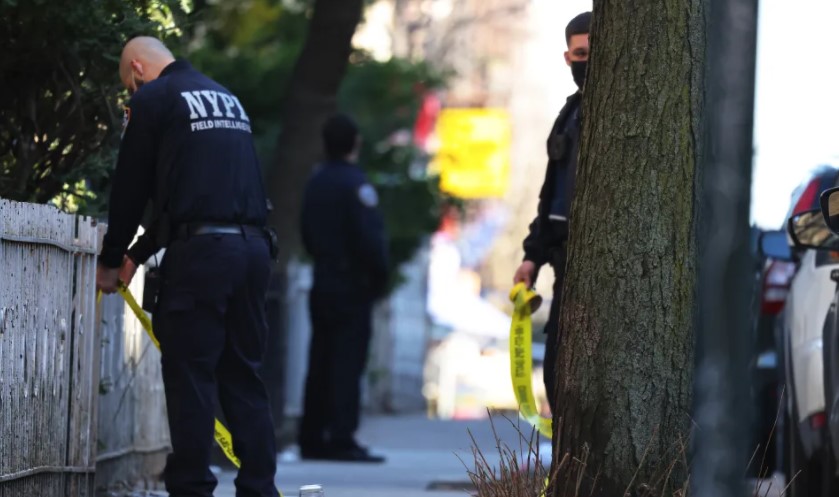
point(187, 148)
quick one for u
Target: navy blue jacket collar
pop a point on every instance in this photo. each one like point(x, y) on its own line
point(339, 162)
point(178, 65)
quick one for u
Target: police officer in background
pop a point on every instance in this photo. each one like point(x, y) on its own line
point(343, 231)
point(546, 241)
point(187, 147)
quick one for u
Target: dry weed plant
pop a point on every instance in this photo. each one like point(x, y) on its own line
point(519, 471)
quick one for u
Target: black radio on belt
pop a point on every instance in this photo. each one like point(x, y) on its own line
point(273, 243)
point(151, 289)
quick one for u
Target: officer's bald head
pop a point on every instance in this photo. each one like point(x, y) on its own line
point(143, 58)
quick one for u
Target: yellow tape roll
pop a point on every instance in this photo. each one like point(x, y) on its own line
point(223, 437)
point(521, 357)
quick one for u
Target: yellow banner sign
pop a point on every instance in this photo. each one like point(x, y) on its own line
point(474, 155)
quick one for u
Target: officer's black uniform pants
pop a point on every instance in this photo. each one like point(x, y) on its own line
point(552, 342)
point(341, 330)
point(210, 320)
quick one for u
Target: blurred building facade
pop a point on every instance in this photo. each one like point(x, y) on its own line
point(504, 54)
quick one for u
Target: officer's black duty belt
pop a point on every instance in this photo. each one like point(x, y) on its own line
point(197, 229)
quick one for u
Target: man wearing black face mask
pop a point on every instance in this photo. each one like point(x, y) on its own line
point(546, 242)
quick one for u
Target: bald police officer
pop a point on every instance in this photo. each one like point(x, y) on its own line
point(187, 148)
point(343, 231)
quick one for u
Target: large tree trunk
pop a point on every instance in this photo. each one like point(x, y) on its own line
point(310, 99)
point(626, 352)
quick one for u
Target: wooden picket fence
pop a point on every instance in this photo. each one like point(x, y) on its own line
point(73, 374)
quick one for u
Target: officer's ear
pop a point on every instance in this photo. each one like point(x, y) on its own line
point(137, 71)
point(137, 67)
point(134, 79)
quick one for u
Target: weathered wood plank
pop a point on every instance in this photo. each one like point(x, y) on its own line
point(80, 383)
point(47, 353)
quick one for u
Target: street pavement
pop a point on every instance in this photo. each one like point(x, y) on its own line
point(425, 458)
point(420, 453)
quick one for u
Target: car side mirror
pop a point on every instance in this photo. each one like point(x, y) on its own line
point(810, 230)
point(830, 208)
point(775, 245)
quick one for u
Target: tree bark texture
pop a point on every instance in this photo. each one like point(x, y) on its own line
point(626, 349)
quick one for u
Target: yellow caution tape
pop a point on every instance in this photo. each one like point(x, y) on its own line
point(521, 357)
point(225, 442)
point(223, 437)
point(144, 319)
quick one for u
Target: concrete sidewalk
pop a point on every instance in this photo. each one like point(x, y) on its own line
point(420, 452)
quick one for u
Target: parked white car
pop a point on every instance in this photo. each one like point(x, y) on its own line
point(809, 299)
point(808, 306)
point(820, 230)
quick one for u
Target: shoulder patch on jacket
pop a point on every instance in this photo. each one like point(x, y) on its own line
point(367, 195)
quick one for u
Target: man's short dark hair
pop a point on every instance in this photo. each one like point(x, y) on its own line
point(580, 25)
point(339, 136)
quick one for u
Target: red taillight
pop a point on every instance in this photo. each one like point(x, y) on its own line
point(772, 308)
point(807, 200)
point(776, 286)
point(818, 421)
